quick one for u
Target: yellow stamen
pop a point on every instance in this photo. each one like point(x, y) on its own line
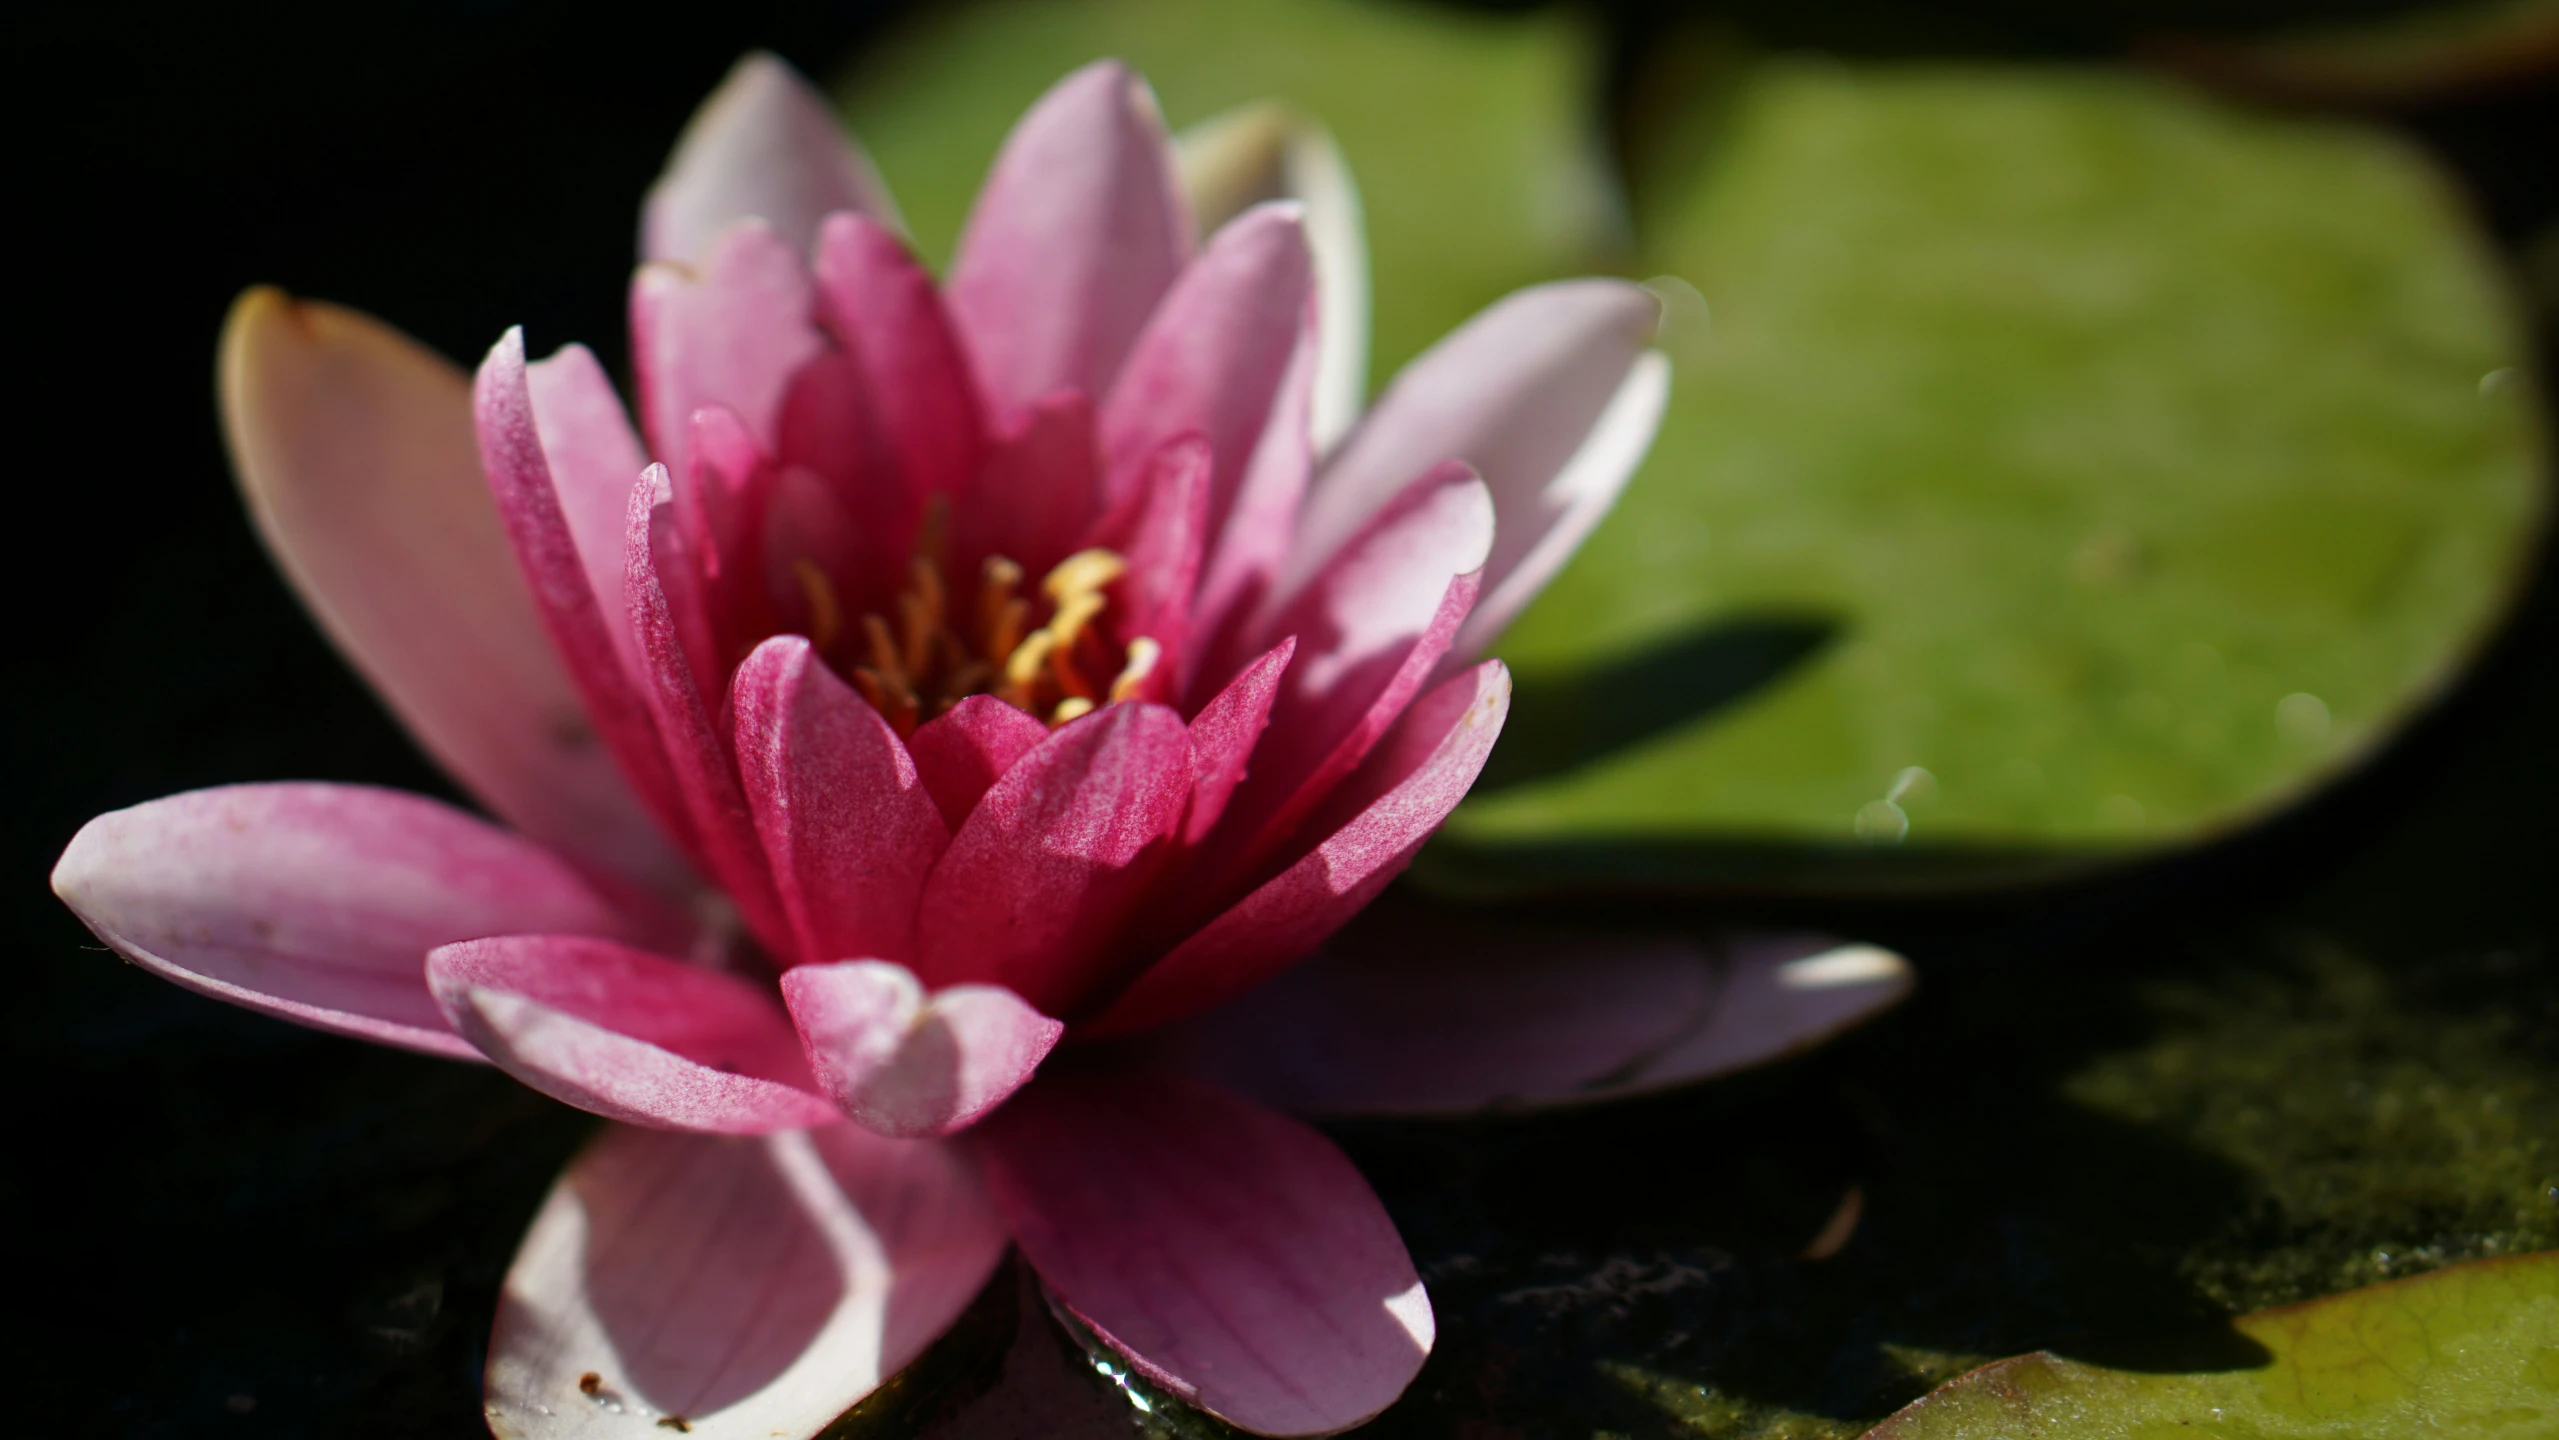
point(826, 617)
point(1082, 573)
point(1073, 707)
point(884, 656)
point(1023, 665)
point(1072, 616)
point(1061, 668)
point(1143, 652)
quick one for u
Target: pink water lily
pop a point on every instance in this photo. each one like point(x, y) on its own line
point(923, 740)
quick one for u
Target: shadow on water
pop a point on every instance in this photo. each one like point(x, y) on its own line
point(1561, 721)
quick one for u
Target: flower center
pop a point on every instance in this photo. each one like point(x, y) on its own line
point(935, 653)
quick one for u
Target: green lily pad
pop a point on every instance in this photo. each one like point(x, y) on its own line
point(2464, 1351)
point(2071, 468)
point(1472, 135)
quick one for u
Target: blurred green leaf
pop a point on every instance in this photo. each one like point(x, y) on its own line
point(2465, 1351)
point(2070, 467)
point(1472, 135)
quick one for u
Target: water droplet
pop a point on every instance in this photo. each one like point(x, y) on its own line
point(1883, 822)
point(2302, 717)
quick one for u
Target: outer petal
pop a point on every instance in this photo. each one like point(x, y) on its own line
point(1246, 553)
point(733, 334)
point(595, 457)
point(751, 1288)
point(1233, 1255)
point(354, 449)
point(1261, 152)
point(628, 1034)
point(902, 1064)
point(1040, 879)
point(316, 903)
point(847, 825)
point(765, 144)
point(968, 748)
point(1372, 828)
point(882, 306)
point(1078, 233)
point(1212, 359)
point(1512, 392)
point(1440, 1014)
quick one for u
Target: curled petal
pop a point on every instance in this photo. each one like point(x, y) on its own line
point(1078, 233)
point(316, 903)
point(628, 1034)
point(903, 1064)
point(745, 1287)
point(354, 449)
point(1233, 1255)
point(967, 749)
point(764, 144)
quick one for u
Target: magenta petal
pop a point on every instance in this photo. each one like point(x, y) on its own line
point(1079, 231)
point(1246, 551)
point(1372, 827)
point(1224, 734)
point(595, 457)
point(529, 505)
point(1044, 872)
point(968, 748)
point(1035, 492)
point(753, 1287)
point(847, 824)
point(1212, 358)
point(1162, 531)
point(1233, 1255)
point(882, 306)
point(355, 452)
point(764, 144)
point(733, 334)
point(905, 1065)
point(316, 903)
point(628, 1034)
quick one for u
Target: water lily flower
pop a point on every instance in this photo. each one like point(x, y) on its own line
point(939, 680)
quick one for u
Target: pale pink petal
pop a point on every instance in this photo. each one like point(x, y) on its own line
point(903, 1064)
point(764, 144)
point(967, 748)
point(546, 552)
point(1371, 627)
point(732, 333)
point(1246, 553)
point(595, 457)
point(1372, 826)
point(1534, 536)
point(1036, 491)
point(658, 571)
point(1079, 231)
point(748, 1287)
point(1512, 392)
point(881, 305)
point(628, 1034)
point(848, 827)
point(1161, 529)
point(1224, 734)
point(1231, 1254)
point(316, 903)
point(1046, 869)
point(354, 449)
point(1212, 358)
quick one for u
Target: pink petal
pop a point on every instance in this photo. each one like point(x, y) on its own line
point(316, 903)
point(628, 1034)
point(752, 1287)
point(595, 458)
point(764, 144)
point(1211, 360)
point(1246, 553)
point(1036, 490)
point(1161, 532)
point(830, 427)
point(881, 305)
point(1233, 1255)
point(1040, 878)
point(733, 334)
point(1079, 231)
point(848, 827)
point(1534, 536)
point(546, 552)
point(1372, 827)
point(905, 1065)
point(1513, 392)
point(657, 574)
point(1224, 734)
point(961, 752)
point(1371, 627)
point(355, 452)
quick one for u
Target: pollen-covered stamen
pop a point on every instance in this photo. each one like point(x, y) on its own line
point(1143, 653)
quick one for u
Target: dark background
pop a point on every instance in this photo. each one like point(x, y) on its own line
point(220, 1224)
